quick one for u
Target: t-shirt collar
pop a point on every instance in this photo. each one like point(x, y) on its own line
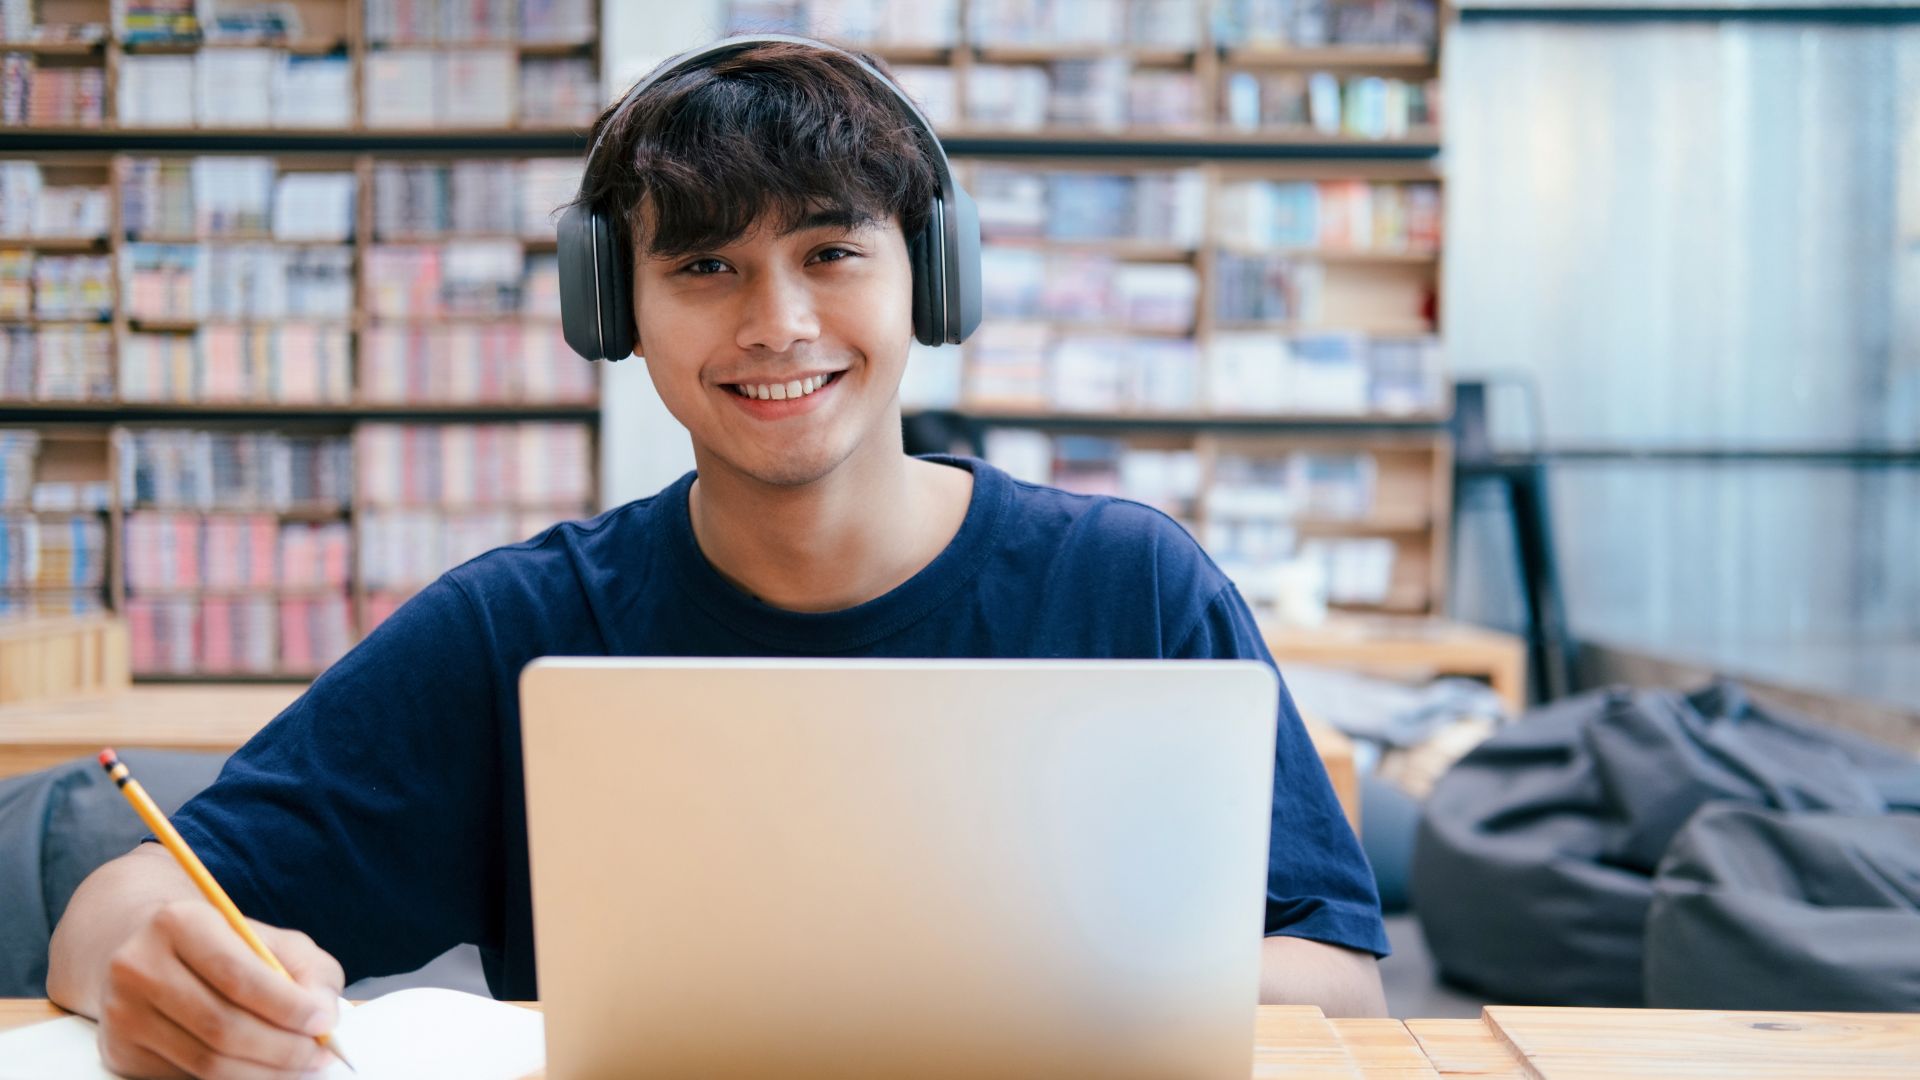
point(849, 628)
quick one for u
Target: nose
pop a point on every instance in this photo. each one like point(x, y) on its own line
point(777, 312)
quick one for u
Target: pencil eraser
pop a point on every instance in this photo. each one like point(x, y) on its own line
point(108, 759)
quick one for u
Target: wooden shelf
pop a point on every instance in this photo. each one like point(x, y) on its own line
point(39, 320)
point(83, 245)
point(298, 46)
point(115, 411)
point(1045, 54)
point(1193, 420)
point(1124, 250)
point(55, 48)
point(417, 239)
point(1336, 255)
point(1403, 59)
point(236, 238)
point(1289, 328)
point(909, 54)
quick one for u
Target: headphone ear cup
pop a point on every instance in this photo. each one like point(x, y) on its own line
point(918, 258)
point(580, 287)
point(963, 287)
point(621, 332)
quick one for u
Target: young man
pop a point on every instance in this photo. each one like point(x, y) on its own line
point(380, 818)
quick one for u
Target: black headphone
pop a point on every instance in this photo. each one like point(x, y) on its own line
point(596, 258)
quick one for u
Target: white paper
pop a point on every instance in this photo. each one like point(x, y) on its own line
point(409, 1035)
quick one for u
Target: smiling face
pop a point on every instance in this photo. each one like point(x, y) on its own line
point(781, 351)
point(769, 192)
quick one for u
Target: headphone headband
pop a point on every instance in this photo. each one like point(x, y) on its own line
point(739, 43)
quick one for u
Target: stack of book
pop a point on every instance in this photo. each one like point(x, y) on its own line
point(426, 88)
point(453, 21)
point(146, 21)
point(194, 90)
point(435, 496)
point(1026, 366)
point(156, 197)
point(52, 553)
point(1331, 373)
point(1315, 23)
point(559, 91)
point(1105, 93)
point(36, 96)
point(1147, 24)
point(31, 207)
point(484, 363)
point(73, 287)
point(73, 363)
point(1165, 207)
point(18, 366)
point(474, 465)
point(1367, 106)
point(16, 284)
point(175, 469)
point(19, 449)
point(469, 277)
point(1331, 215)
point(934, 89)
point(1079, 287)
point(285, 362)
point(873, 24)
point(561, 21)
point(236, 281)
point(1168, 480)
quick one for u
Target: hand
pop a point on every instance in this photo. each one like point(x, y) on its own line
point(185, 996)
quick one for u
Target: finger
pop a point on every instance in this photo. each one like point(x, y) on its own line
point(166, 1050)
point(309, 964)
point(125, 1058)
point(210, 949)
point(226, 1027)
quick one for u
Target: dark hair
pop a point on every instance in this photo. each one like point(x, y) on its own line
point(781, 132)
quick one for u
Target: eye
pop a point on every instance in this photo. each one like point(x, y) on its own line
point(835, 254)
point(705, 267)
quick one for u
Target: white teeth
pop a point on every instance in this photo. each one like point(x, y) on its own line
point(786, 390)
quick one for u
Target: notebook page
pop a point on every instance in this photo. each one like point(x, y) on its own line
point(409, 1035)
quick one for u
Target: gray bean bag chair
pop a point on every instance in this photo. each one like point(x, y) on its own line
point(59, 825)
point(1758, 909)
point(1533, 868)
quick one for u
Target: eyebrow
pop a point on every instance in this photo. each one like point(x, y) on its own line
point(837, 217)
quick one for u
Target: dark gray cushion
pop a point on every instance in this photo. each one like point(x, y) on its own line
point(1533, 868)
point(59, 825)
point(1759, 909)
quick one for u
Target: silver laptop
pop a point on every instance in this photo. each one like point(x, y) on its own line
point(898, 868)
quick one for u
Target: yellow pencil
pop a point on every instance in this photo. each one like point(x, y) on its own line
point(149, 812)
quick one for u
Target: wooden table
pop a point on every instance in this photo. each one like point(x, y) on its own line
point(1299, 1043)
point(35, 735)
point(1421, 647)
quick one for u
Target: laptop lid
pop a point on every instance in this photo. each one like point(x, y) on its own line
point(891, 868)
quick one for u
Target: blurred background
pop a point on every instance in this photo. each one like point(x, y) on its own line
point(1498, 351)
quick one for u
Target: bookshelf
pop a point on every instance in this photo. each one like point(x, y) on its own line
point(271, 333)
point(332, 66)
point(1213, 246)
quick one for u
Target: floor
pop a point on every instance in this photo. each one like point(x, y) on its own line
point(1412, 990)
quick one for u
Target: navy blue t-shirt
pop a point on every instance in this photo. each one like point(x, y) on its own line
point(383, 813)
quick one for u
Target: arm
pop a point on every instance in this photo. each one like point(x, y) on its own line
point(176, 991)
point(1343, 982)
